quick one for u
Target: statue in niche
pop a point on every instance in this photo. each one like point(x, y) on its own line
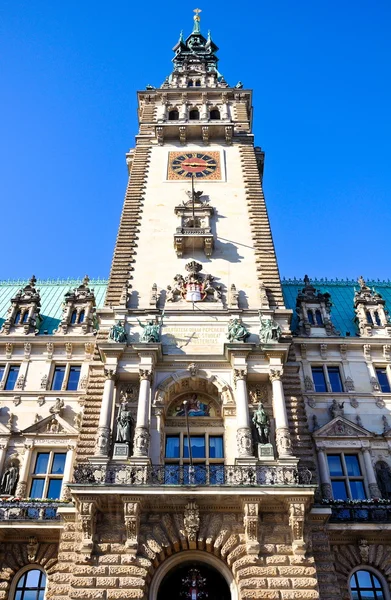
point(384, 478)
point(269, 330)
point(237, 332)
point(125, 424)
point(10, 479)
point(262, 425)
point(118, 333)
point(151, 330)
point(194, 408)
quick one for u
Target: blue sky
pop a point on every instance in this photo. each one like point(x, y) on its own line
point(321, 79)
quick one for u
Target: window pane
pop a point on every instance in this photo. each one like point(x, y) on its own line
point(12, 377)
point(172, 446)
point(335, 379)
point(376, 582)
point(357, 489)
point(33, 578)
point(41, 464)
point(352, 464)
point(54, 489)
point(311, 317)
point(73, 379)
point(319, 379)
point(364, 579)
point(216, 449)
point(18, 595)
point(81, 316)
point(58, 463)
point(73, 317)
point(335, 464)
point(2, 369)
point(383, 380)
point(30, 595)
point(318, 316)
point(21, 581)
point(339, 490)
point(58, 378)
point(197, 447)
point(37, 488)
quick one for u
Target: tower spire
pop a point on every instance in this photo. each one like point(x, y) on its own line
point(197, 19)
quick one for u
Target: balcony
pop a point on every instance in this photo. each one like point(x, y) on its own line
point(356, 511)
point(220, 476)
point(30, 518)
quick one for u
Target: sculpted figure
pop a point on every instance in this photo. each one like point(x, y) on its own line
point(237, 332)
point(9, 480)
point(176, 289)
point(124, 424)
point(151, 330)
point(208, 288)
point(262, 424)
point(269, 331)
point(118, 333)
point(384, 477)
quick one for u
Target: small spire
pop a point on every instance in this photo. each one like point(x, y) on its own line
point(86, 280)
point(180, 37)
point(197, 19)
point(209, 36)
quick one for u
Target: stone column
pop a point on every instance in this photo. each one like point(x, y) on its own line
point(243, 433)
point(3, 453)
point(103, 436)
point(141, 434)
point(371, 476)
point(324, 475)
point(65, 493)
point(283, 436)
point(21, 488)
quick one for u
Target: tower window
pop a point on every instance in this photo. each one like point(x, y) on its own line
point(17, 318)
point(74, 317)
point(215, 114)
point(198, 83)
point(318, 317)
point(190, 83)
point(364, 584)
point(194, 114)
point(173, 115)
point(369, 318)
point(310, 315)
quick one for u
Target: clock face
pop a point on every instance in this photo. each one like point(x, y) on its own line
point(200, 165)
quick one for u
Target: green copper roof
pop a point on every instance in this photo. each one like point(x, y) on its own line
point(342, 295)
point(52, 295)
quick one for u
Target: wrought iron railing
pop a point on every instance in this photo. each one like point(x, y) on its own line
point(29, 510)
point(361, 512)
point(198, 475)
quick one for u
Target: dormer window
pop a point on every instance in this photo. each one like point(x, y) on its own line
point(74, 317)
point(17, 317)
point(190, 83)
point(215, 114)
point(318, 317)
point(198, 83)
point(310, 315)
point(173, 115)
point(194, 114)
point(81, 316)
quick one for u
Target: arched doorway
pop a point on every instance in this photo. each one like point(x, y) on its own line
point(193, 580)
point(213, 569)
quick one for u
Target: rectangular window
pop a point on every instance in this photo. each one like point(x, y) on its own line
point(12, 377)
point(319, 379)
point(216, 448)
point(335, 379)
point(58, 378)
point(347, 480)
point(172, 446)
point(197, 447)
point(46, 480)
point(382, 378)
point(2, 369)
point(73, 378)
point(206, 466)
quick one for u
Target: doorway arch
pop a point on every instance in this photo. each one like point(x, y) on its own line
point(188, 558)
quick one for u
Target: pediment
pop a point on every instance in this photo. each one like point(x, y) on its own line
point(51, 424)
point(341, 427)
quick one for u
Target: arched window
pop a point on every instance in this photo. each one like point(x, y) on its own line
point(369, 318)
point(74, 317)
point(25, 316)
point(215, 114)
point(318, 317)
point(190, 83)
point(364, 585)
point(194, 114)
point(198, 83)
point(31, 585)
point(310, 317)
point(17, 318)
point(377, 318)
point(81, 316)
point(173, 115)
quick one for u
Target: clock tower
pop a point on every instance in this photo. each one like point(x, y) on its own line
point(193, 409)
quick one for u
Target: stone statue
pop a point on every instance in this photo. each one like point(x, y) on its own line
point(237, 332)
point(336, 409)
point(384, 478)
point(262, 425)
point(269, 331)
point(125, 424)
point(9, 480)
point(151, 330)
point(118, 333)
